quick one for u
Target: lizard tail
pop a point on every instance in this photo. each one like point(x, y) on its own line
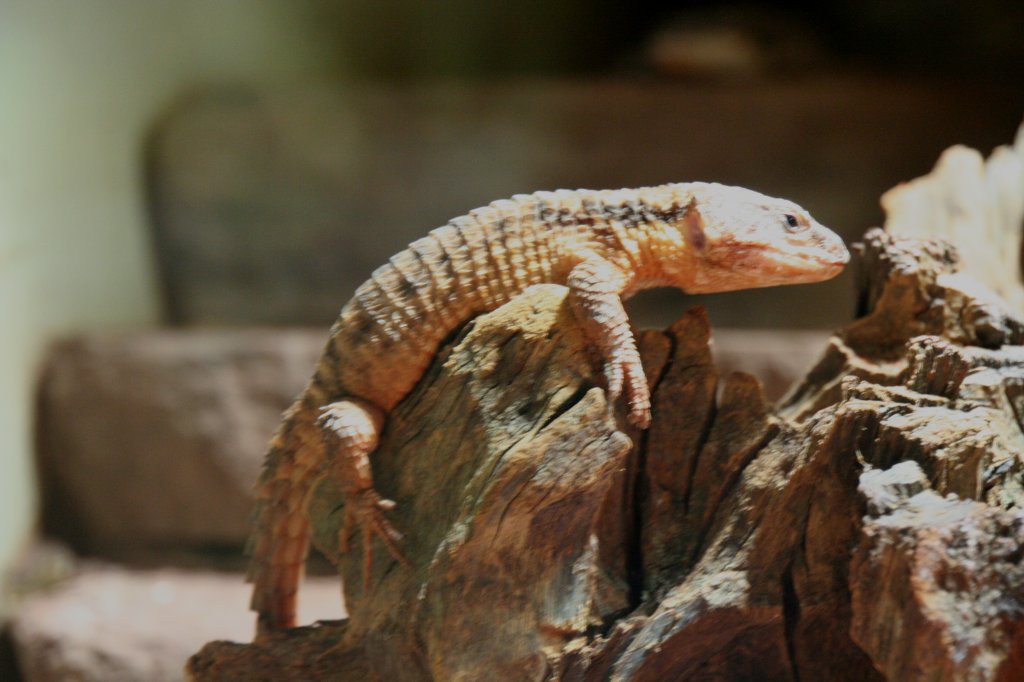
point(281, 533)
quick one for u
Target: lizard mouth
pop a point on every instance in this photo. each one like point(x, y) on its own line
point(809, 269)
point(838, 256)
point(831, 267)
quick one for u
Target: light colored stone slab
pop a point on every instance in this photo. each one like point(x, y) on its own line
point(109, 624)
point(154, 440)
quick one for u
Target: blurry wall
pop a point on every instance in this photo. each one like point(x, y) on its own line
point(80, 82)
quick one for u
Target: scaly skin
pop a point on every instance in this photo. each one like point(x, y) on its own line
point(603, 245)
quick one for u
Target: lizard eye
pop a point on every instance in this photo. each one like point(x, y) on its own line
point(792, 224)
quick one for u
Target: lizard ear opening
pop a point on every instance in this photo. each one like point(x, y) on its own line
point(693, 228)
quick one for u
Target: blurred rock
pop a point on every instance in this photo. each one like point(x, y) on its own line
point(152, 441)
point(41, 565)
point(271, 206)
point(734, 42)
point(113, 625)
point(975, 204)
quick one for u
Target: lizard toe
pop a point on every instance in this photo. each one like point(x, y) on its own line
point(366, 509)
point(640, 416)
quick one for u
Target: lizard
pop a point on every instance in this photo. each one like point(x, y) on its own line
point(603, 245)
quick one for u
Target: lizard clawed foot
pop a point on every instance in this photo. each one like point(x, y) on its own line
point(639, 410)
point(365, 508)
point(619, 373)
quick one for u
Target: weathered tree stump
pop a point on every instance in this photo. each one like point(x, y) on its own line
point(869, 528)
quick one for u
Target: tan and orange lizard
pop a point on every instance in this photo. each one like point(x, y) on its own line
point(603, 245)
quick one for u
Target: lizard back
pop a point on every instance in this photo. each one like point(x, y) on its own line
point(388, 333)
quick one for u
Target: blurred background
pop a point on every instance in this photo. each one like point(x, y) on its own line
point(190, 189)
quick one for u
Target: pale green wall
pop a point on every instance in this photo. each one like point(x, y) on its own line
point(79, 82)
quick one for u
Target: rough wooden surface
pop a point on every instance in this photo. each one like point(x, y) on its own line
point(937, 582)
point(869, 528)
point(925, 383)
point(309, 653)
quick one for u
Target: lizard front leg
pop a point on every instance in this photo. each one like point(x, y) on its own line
point(351, 432)
point(595, 294)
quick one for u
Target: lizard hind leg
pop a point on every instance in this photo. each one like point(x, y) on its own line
point(351, 432)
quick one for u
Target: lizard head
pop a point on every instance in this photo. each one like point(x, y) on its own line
point(740, 239)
